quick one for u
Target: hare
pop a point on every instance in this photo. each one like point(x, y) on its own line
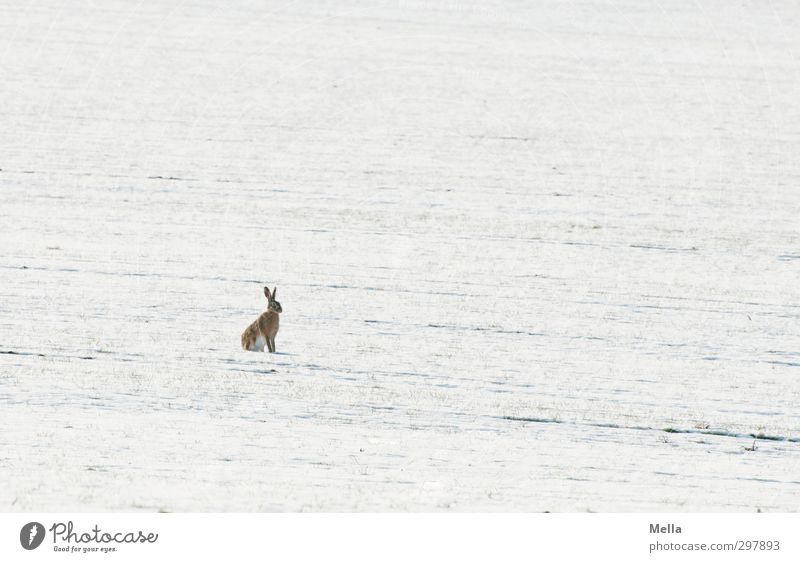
point(262, 332)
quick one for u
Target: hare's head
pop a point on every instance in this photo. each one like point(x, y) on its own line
point(273, 304)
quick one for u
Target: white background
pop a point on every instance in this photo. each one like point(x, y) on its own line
point(532, 256)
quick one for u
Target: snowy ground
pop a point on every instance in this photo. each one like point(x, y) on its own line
point(531, 255)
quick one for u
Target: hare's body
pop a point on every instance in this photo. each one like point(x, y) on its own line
point(262, 332)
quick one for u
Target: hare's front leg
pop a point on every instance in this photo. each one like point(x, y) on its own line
point(272, 344)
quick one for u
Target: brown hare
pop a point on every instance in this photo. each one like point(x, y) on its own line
point(262, 332)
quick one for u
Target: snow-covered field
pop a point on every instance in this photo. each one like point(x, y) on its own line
point(531, 255)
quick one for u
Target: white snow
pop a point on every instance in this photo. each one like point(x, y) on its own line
point(515, 243)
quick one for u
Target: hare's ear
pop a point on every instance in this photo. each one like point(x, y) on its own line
point(274, 291)
point(266, 293)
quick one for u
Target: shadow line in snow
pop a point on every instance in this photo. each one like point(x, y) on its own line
point(11, 352)
point(35, 354)
point(715, 432)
